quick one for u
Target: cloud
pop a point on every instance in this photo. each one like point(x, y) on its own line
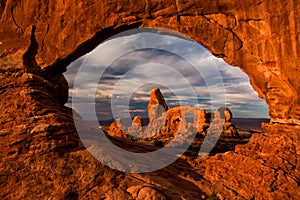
point(202, 106)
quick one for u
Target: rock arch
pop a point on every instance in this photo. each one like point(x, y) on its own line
point(258, 36)
point(38, 39)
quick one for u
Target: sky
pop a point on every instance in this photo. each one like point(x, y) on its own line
point(117, 76)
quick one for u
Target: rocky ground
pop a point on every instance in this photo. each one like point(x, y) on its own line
point(188, 170)
point(223, 145)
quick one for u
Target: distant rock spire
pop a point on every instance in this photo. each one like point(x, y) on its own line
point(224, 113)
point(157, 105)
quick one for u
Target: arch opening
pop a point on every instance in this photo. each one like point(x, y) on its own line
point(247, 108)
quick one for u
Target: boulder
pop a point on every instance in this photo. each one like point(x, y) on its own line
point(223, 113)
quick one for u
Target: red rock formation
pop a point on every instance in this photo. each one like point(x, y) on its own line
point(203, 124)
point(40, 38)
point(116, 129)
point(176, 120)
point(228, 128)
point(136, 126)
point(168, 121)
point(203, 117)
point(157, 105)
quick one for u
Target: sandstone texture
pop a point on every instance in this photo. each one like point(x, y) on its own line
point(268, 165)
point(41, 155)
